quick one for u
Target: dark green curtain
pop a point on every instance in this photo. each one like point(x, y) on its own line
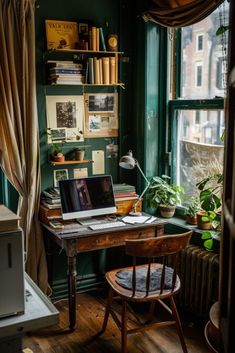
point(179, 13)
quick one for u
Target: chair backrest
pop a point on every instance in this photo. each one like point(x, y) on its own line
point(157, 247)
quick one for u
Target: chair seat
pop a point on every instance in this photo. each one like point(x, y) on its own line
point(112, 278)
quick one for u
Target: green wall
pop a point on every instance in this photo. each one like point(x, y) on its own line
point(122, 20)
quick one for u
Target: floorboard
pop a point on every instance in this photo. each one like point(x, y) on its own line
point(85, 338)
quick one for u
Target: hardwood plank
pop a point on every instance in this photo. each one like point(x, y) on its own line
point(85, 338)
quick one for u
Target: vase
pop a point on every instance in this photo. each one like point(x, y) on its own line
point(59, 158)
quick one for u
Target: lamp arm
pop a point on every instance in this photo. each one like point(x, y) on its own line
point(145, 189)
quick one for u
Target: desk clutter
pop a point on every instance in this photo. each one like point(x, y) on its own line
point(50, 206)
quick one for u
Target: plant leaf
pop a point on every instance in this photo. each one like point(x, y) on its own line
point(208, 244)
point(206, 235)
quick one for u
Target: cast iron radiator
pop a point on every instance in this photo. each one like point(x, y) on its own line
point(198, 270)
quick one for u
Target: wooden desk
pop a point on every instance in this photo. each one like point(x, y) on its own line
point(89, 240)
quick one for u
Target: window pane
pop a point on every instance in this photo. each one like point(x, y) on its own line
point(200, 44)
point(199, 150)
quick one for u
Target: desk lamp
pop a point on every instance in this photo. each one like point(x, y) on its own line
point(129, 162)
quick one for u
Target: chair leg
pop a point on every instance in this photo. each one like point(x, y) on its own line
point(178, 324)
point(107, 310)
point(124, 327)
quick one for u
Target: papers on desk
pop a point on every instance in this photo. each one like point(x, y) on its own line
point(135, 219)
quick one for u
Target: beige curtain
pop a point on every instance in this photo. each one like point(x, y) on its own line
point(179, 13)
point(19, 144)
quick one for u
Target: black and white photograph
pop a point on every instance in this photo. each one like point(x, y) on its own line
point(94, 123)
point(101, 115)
point(65, 113)
point(58, 134)
point(111, 151)
point(101, 103)
point(60, 174)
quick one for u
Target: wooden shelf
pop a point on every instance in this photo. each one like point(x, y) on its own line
point(78, 51)
point(122, 85)
point(71, 162)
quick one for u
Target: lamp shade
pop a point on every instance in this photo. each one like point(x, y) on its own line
point(127, 161)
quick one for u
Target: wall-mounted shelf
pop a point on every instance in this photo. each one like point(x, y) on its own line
point(71, 162)
point(122, 85)
point(78, 51)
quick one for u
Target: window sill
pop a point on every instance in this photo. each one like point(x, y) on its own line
point(177, 224)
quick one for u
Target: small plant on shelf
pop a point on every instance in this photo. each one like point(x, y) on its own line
point(191, 210)
point(164, 194)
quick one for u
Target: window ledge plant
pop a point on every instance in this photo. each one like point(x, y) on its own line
point(210, 199)
point(164, 195)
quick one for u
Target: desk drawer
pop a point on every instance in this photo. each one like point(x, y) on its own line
point(95, 242)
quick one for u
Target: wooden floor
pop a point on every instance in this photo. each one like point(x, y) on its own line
point(90, 312)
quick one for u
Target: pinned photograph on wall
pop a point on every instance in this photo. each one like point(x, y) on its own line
point(60, 174)
point(111, 151)
point(101, 102)
point(66, 115)
point(57, 134)
point(101, 115)
point(80, 173)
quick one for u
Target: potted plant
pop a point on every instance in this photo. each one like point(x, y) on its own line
point(210, 198)
point(79, 153)
point(165, 195)
point(191, 210)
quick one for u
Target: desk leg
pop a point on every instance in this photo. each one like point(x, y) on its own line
point(72, 291)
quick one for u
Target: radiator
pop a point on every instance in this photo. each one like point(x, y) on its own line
point(198, 270)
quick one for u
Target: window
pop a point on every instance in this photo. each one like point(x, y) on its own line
point(199, 42)
point(198, 74)
point(197, 117)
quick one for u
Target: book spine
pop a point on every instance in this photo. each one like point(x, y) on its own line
point(97, 39)
point(105, 66)
point(90, 39)
point(101, 71)
point(65, 71)
point(93, 38)
point(91, 70)
point(96, 70)
point(112, 70)
point(102, 41)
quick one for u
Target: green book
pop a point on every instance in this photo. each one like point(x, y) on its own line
point(102, 41)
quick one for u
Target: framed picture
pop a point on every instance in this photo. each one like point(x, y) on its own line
point(60, 174)
point(65, 118)
point(101, 115)
point(61, 34)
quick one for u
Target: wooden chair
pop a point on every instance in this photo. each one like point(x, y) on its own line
point(160, 283)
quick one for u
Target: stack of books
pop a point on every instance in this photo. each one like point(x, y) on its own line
point(125, 197)
point(50, 198)
point(124, 192)
point(65, 73)
point(50, 205)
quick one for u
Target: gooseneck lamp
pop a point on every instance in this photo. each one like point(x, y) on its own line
point(129, 162)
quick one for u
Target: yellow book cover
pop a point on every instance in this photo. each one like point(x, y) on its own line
point(61, 34)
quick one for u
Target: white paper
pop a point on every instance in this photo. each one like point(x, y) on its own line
point(98, 162)
point(80, 173)
point(135, 219)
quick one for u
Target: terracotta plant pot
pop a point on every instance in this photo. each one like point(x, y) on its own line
point(167, 211)
point(203, 225)
point(59, 158)
point(191, 220)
